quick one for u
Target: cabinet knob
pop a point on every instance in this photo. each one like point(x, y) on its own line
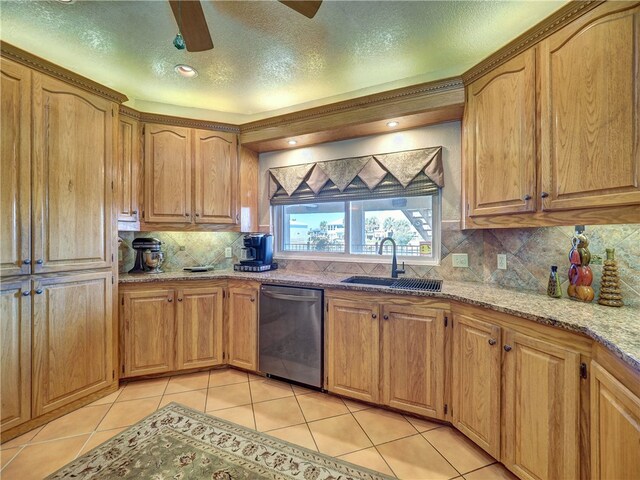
point(253, 299)
point(169, 300)
point(197, 214)
point(179, 299)
point(39, 261)
point(186, 214)
point(526, 197)
point(373, 315)
point(507, 348)
point(26, 261)
point(544, 194)
point(386, 317)
point(26, 293)
point(135, 212)
point(492, 341)
point(38, 291)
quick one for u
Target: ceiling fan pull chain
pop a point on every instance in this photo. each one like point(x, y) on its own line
point(178, 42)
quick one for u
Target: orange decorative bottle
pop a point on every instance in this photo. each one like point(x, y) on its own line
point(580, 274)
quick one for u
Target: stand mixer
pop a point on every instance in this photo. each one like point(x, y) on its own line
point(149, 256)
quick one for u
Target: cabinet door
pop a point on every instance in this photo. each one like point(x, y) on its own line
point(541, 406)
point(15, 368)
point(168, 165)
point(149, 334)
point(590, 110)
point(353, 349)
point(615, 428)
point(216, 172)
point(72, 153)
point(15, 168)
point(72, 339)
point(243, 327)
point(499, 139)
point(476, 381)
point(199, 327)
point(128, 169)
point(413, 359)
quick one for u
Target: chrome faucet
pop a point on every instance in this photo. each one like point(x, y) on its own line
point(394, 262)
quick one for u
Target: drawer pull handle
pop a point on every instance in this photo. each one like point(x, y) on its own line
point(492, 341)
point(507, 348)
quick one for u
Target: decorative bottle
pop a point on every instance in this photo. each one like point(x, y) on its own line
point(610, 293)
point(580, 274)
point(553, 287)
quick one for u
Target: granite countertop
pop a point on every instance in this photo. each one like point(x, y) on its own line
point(618, 329)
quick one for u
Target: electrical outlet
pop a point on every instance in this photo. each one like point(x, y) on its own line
point(460, 260)
point(502, 261)
point(228, 253)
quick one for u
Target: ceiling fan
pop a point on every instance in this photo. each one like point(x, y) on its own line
point(193, 26)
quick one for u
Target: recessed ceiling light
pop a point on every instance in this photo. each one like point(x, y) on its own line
point(186, 71)
point(393, 124)
point(292, 142)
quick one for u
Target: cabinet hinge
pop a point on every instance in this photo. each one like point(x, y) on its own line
point(112, 185)
point(122, 300)
point(123, 368)
point(446, 321)
point(446, 408)
point(113, 374)
point(223, 355)
point(112, 280)
point(224, 295)
point(327, 306)
point(112, 257)
point(583, 370)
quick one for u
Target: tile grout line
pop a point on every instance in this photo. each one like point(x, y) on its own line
point(20, 448)
point(376, 447)
point(305, 419)
point(253, 412)
point(480, 468)
point(440, 453)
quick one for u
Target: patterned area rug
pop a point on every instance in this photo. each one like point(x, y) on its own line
point(179, 443)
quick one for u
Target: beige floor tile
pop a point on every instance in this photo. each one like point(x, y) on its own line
point(339, 435)
point(143, 389)
point(7, 454)
point(368, 458)
point(279, 413)
point(123, 414)
point(414, 457)
point(185, 383)
point(36, 462)
point(316, 406)
point(196, 399)
point(112, 397)
point(242, 415)
point(383, 426)
point(354, 406)
point(228, 396)
point(83, 420)
point(461, 452)
point(217, 378)
point(421, 424)
point(298, 390)
point(496, 471)
point(100, 437)
point(256, 378)
point(269, 390)
point(22, 439)
point(298, 435)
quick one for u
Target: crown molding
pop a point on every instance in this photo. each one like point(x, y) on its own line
point(177, 121)
point(554, 22)
point(40, 64)
point(129, 112)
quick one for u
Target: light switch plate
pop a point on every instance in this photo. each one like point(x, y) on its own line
point(460, 260)
point(228, 253)
point(502, 261)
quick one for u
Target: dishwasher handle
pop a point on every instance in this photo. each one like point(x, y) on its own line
point(292, 298)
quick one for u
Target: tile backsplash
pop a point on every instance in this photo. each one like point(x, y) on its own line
point(530, 253)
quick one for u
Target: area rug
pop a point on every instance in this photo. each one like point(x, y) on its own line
point(179, 443)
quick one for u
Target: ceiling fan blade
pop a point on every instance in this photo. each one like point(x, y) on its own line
point(192, 24)
point(308, 8)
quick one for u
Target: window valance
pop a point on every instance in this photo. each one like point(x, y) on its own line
point(407, 173)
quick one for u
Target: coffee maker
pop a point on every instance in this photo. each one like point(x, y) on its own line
point(149, 255)
point(257, 253)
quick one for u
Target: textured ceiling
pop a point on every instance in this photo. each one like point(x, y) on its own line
point(267, 58)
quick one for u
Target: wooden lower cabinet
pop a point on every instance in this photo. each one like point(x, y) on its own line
point(540, 408)
point(148, 332)
point(476, 380)
point(615, 428)
point(243, 327)
point(353, 349)
point(199, 319)
point(413, 360)
point(15, 364)
point(72, 349)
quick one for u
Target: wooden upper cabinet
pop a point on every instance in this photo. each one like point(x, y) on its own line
point(615, 428)
point(499, 139)
point(413, 359)
point(199, 317)
point(353, 349)
point(128, 169)
point(148, 332)
point(73, 140)
point(216, 177)
point(15, 364)
point(540, 408)
point(590, 110)
point(15, 168)
point(168, 174)
point(72, 339)
point(243, 327)
point(476, 377)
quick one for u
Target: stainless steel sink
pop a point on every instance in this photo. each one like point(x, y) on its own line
point(421, 284)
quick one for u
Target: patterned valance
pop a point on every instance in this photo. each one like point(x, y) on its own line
point(353, 174)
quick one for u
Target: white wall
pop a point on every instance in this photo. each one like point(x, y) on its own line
point(446, 135)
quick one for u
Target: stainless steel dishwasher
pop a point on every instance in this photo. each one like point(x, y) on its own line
point(291, 333)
